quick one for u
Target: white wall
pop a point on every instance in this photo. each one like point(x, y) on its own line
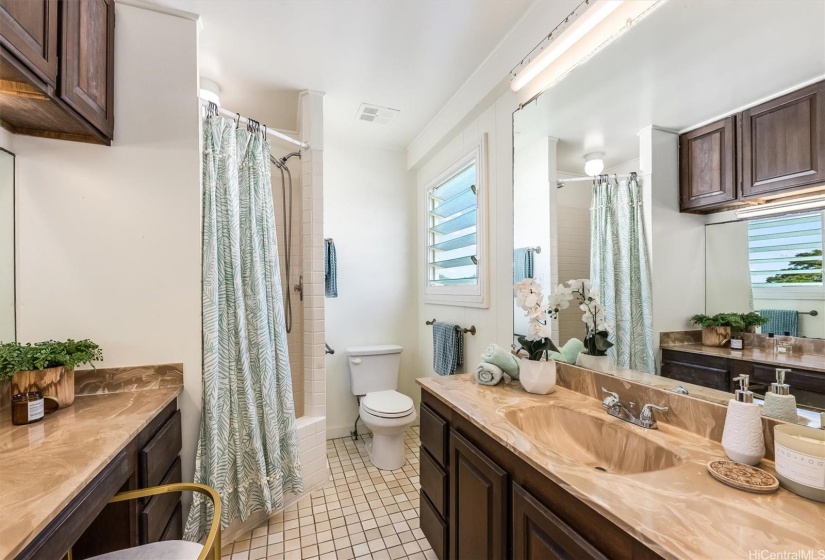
point(7, 333)
point(676, 241)
point(727, 273)
point(109, 237)
point(369, 211)
point(495, 323)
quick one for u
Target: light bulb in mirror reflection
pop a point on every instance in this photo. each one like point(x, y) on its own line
point(593, 163)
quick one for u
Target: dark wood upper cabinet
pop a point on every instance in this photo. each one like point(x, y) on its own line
point(28, 29)
point(88, 61)
point(478, 502)
point(783, 143)
point(538, 533)
point(75, 101)
point(707, 165)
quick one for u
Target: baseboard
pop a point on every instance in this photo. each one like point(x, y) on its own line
point(346, 431)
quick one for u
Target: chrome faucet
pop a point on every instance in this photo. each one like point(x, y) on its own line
point(616, 408)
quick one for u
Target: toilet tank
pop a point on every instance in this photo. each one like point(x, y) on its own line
point(373, 368)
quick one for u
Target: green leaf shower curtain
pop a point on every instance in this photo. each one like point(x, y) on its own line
point(248, 445)
point(620, 270)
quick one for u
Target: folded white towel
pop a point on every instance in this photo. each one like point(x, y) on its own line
point(490, 374)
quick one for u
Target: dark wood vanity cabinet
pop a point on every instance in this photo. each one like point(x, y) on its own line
point(783, 143)
point(57, 68)
point(707, 165)
point(774, 149)
point(90, 526)
point(718, 372)
point(480, 500)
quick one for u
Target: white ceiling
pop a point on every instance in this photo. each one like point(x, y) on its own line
point(688, 62)
point(410, 55)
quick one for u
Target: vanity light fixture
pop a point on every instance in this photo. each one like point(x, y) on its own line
point(594, 163)
point(590, 19)
point(783, 207)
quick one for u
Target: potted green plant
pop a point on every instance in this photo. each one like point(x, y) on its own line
point(716, 329)
point(47, 366)
point(753, 320)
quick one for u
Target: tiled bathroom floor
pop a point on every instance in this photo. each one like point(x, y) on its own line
point(362, 513)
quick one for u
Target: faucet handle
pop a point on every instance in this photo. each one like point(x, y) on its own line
point(646, 417)
point(611, 400)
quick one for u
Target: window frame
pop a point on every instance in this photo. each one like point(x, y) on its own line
point(458, 295)
point(792, 292)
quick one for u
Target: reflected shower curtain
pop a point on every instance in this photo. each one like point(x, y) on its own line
point(620, 270)
point(248, 445)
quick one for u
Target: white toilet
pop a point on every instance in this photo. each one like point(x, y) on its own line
point(386, 412)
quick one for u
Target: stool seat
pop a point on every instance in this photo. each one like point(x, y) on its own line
point(164, 550)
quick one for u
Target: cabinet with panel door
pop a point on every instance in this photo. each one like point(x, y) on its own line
point(57, 68)
point(480, 500)
point(771, 150)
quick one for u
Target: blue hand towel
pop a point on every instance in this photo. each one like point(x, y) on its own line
point(495, 354)
point(522, 264)
point(780, 321)
point(330, 269)
point(448, 348)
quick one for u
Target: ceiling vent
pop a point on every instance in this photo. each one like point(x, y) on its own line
point(376, 114)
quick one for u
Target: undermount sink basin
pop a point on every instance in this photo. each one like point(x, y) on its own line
point(591, 440)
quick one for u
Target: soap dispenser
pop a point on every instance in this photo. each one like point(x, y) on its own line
point(779, 402)
point(742, 438)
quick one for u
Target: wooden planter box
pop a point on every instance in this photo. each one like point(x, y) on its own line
point(715, 336)
point(56, 382)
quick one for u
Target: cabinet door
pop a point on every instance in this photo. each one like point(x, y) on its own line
point(783, 143)
point(28, 28)
point(478, 503)
point(538, 534)
point(707, 169)
point(87, 64)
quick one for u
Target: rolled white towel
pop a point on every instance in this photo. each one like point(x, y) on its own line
point(488, 374)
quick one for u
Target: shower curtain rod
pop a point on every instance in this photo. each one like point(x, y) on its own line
point(560, 182)
point(244, 120)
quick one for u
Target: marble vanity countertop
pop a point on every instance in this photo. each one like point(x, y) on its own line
point(811, 362)
point(679, 512)
point(44, 465)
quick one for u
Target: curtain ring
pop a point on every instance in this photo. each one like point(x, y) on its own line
point(237, 120)
point(264, 133)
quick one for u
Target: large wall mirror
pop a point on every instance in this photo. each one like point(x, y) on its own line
point(7, 275)
point(597, 191)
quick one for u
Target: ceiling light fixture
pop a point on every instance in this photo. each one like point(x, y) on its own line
point(210, 91)
point(594, 163)
point(581, 27)
point(783, 207)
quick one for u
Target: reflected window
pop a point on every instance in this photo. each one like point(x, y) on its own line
point(786, 251)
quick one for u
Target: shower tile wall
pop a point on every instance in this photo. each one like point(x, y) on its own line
point(295, 339)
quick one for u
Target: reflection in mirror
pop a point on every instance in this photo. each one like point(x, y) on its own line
point(664, 233)
point(7, 317)
point(772, 265)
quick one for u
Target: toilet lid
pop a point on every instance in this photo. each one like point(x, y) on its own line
point(387, 404)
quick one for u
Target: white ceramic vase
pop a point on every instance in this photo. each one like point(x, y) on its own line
point(537, 376)
point(597, 363)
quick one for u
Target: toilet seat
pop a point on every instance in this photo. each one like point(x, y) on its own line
point(387, 404)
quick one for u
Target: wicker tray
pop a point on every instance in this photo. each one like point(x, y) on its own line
point(743, 477)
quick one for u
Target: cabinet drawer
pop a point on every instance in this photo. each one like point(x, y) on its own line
point(157, 457)
point(433, 430)
point(174, 529)
point(433, 527)
point(433, 482)
point(155, 516)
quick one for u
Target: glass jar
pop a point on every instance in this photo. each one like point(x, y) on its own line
point(27, 408)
